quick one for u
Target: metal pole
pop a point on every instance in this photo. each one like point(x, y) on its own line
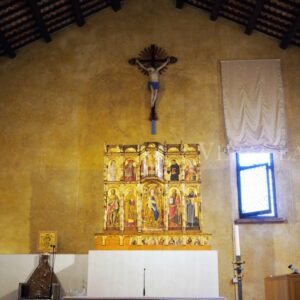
point(239, 275)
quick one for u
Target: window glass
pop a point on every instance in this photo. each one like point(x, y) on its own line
point(256, 185)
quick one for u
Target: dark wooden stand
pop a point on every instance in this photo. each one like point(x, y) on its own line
point(24, 292)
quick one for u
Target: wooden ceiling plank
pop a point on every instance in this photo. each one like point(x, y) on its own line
point(86, 5)
point(235, 13)
point(13, 18)
point(21, 42)
point(54, 15)
point(253, 18)
point(77, 12)
point(267, 21)
point(12, 35)
point(288, 37)
point(236, 7)
point(216, 9)
point(280, 8)
point(271, 27)
point(233, 18)
point(25, 35)
point(94, 9)
point(6, 46)
point(17, 23)
point(39, 20)
point(179, 4)
point(202, 5)
point(10, 8)
point(59, 18)
point(58, 26)
point(116, 5)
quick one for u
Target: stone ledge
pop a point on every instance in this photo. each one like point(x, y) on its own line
point(260, 221)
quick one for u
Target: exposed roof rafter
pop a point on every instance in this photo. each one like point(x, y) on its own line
point(39, 20)
point(287, 38)
point(77, 12)
point(215, 10)
point(253, 18)
point(116, 5)
point(179, 4)
point(6, 46)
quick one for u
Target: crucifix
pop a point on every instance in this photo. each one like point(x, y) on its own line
point(153, 61)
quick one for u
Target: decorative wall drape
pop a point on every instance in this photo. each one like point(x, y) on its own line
point(254, 106)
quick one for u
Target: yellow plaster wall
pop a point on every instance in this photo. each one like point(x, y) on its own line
point(60, 102)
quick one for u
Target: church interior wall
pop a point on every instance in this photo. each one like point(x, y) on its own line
point(62, 101)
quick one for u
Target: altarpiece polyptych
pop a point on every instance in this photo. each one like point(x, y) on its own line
point(153, 189)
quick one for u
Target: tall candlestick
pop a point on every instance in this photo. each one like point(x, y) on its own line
point(238, 262)
point(237, 241)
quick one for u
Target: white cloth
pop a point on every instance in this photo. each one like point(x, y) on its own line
point(254, 106)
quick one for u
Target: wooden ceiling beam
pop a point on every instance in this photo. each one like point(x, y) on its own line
point(116, 5)
point(6, 46)
point(253, 18)
point(288, 37)
point(179, 4)
point(215, 9)
point(39, 20)
point(77, 12)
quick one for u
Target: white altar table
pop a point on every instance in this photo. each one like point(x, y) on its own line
point(151, 275)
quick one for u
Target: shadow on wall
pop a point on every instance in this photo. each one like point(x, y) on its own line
point(73, 278)
point(10, 296)
point(15, 269)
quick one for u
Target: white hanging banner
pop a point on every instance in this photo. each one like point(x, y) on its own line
point(254, 106)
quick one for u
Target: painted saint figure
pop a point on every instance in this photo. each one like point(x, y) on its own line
point(113, 205)
point(130, 209)
point(174, 209)
point(190, 171)
point(174, 171)
point(151, 166)
point(153, 83)
point(129, 171)
point(160, 167)
point(144, 167)
point(112, 171)
point(192, 209)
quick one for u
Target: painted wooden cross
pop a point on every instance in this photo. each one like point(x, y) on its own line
point(153, 61)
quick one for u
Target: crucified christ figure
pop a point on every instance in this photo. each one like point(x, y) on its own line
point(153, 83)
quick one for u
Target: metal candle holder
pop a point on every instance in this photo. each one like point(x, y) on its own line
point(238, 271)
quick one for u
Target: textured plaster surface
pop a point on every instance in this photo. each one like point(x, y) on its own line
point(60, 102)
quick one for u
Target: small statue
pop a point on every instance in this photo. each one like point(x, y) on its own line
point(113, 205)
